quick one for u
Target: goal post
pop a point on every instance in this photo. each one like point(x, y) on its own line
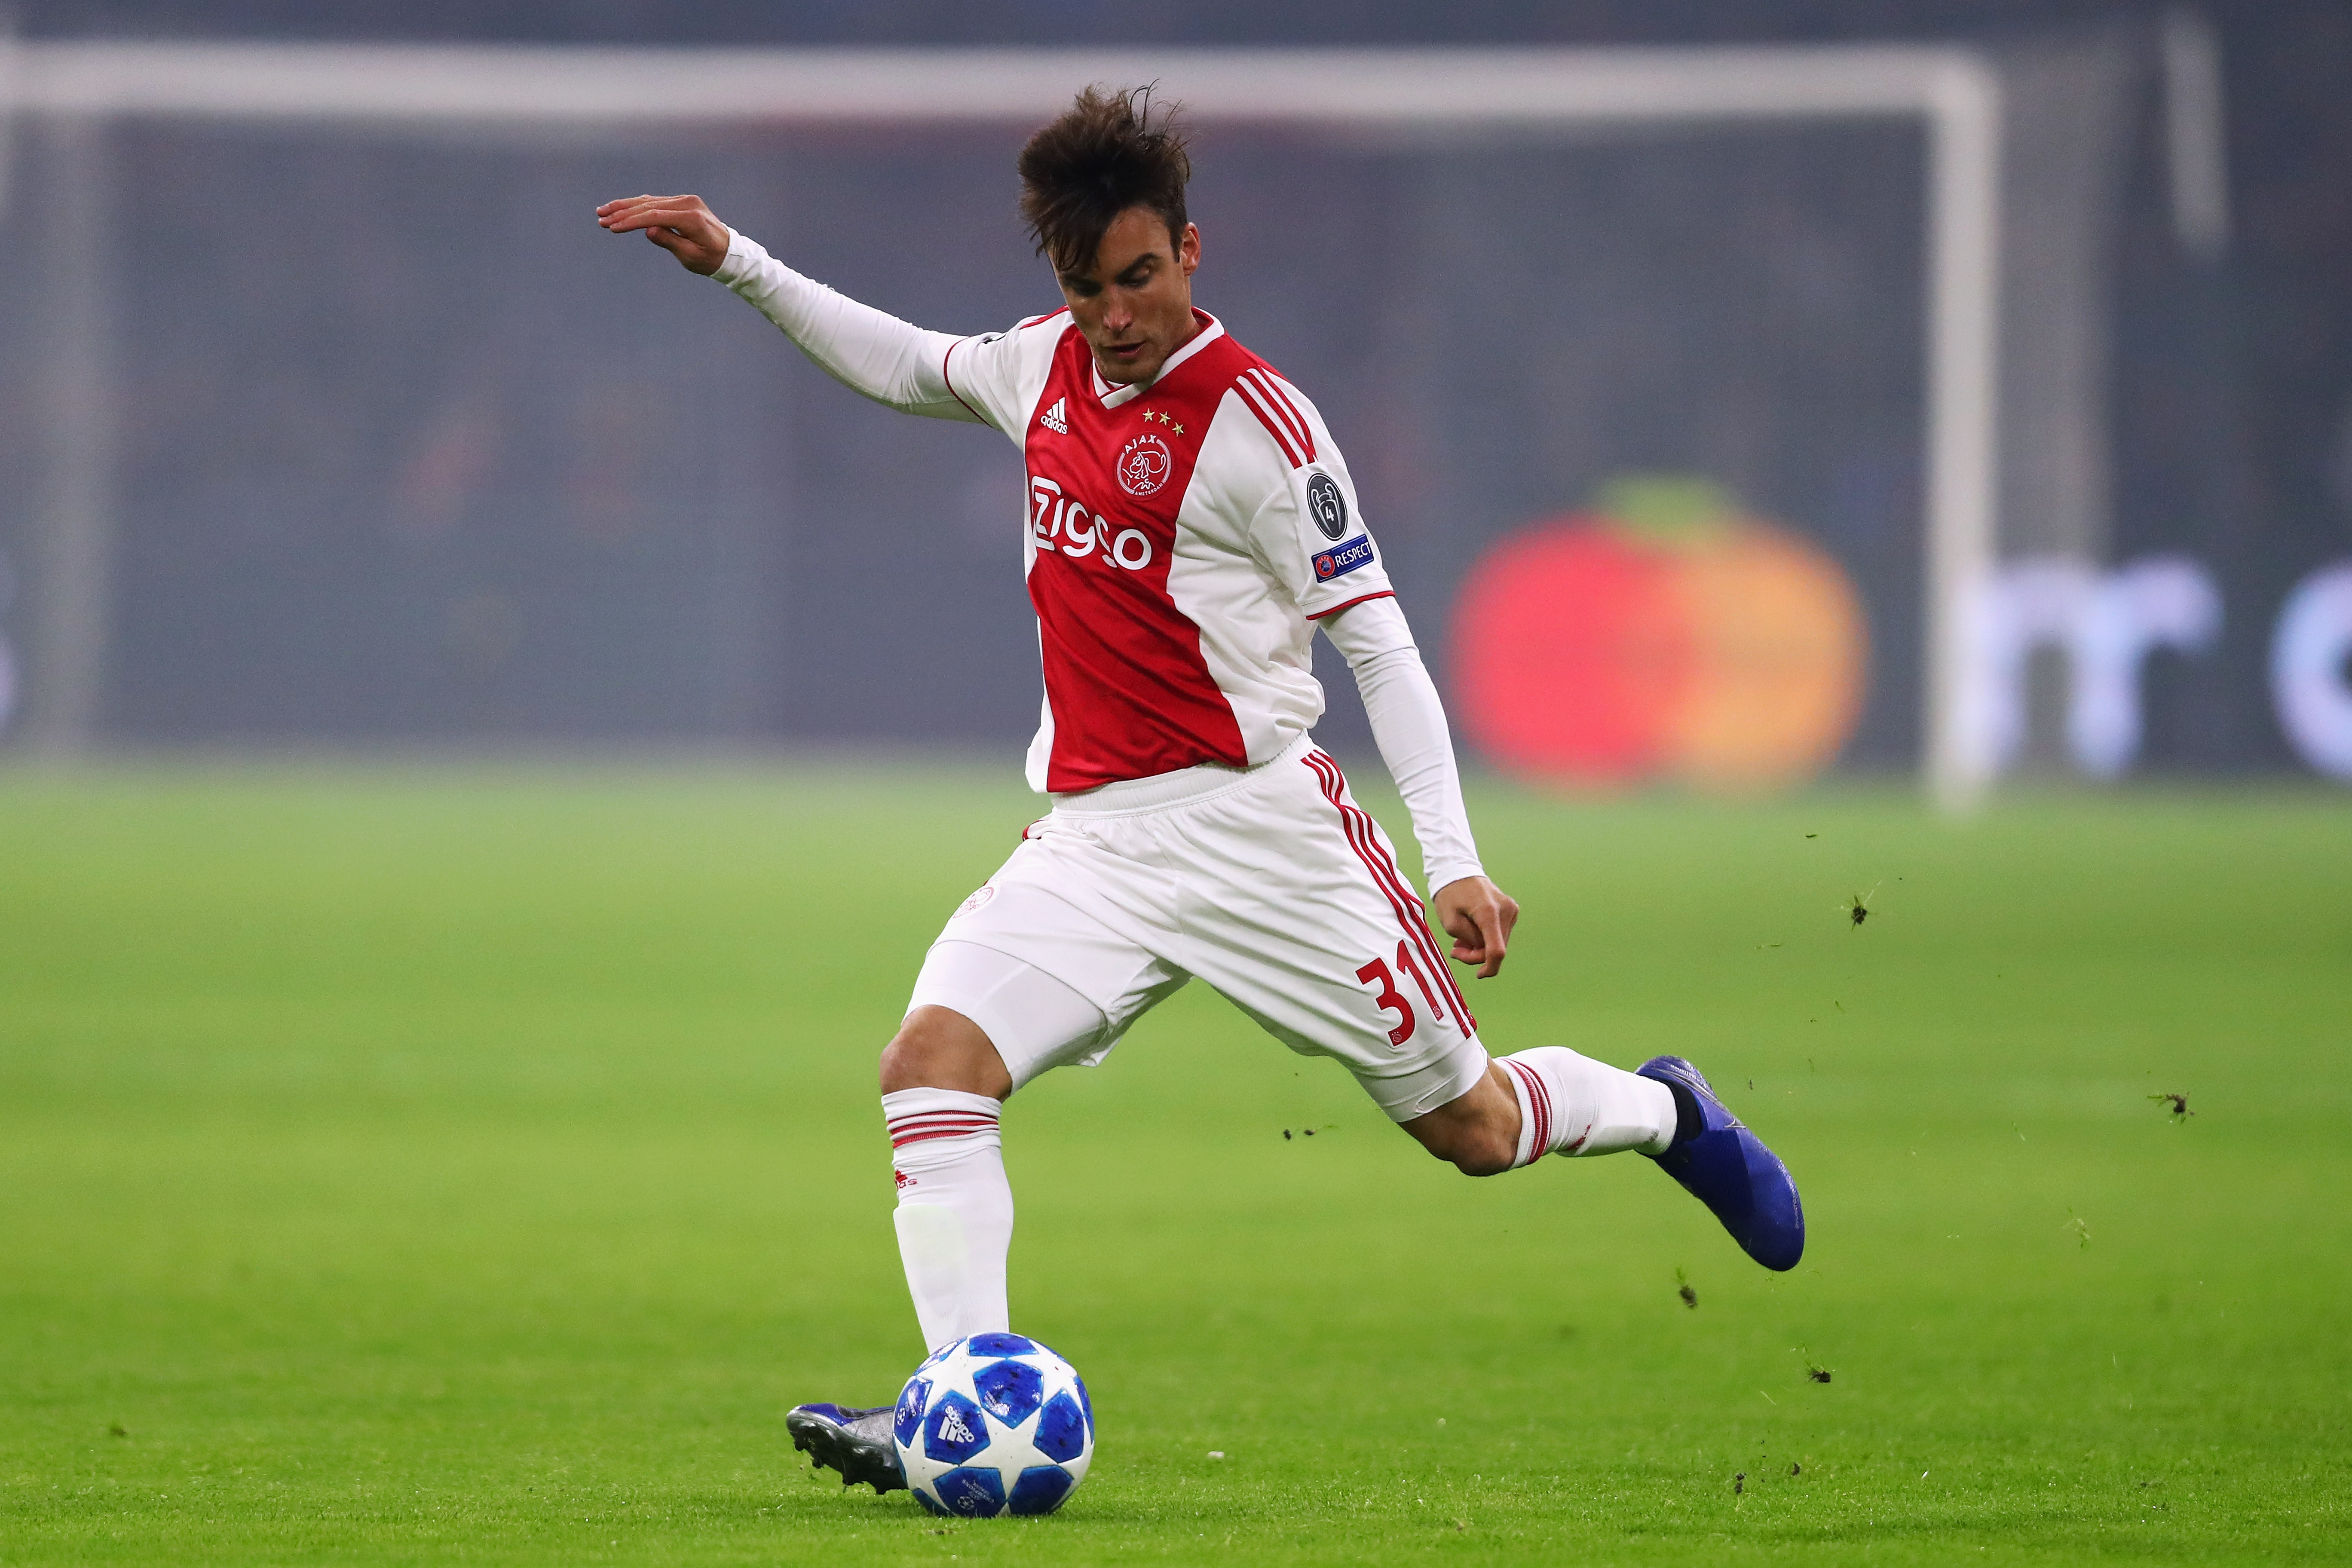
point(1953, 92)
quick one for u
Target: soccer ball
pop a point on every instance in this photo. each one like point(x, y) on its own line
point(993, 1424)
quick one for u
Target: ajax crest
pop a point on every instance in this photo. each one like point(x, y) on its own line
point(1143, 466)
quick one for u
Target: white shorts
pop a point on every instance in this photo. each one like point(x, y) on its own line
point(1270, 884)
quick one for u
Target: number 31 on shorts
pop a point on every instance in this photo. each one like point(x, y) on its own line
point(1389, 999)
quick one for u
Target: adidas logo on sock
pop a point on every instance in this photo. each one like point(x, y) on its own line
point(1056, 418)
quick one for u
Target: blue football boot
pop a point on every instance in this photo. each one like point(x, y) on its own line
point(856, 1442)
point(1725, 1166)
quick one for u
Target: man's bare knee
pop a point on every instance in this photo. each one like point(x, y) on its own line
point(1473, 1155)
point(1477, 1132)
point(938, 1047)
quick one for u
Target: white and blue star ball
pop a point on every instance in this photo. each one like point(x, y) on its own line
point(993, 1424)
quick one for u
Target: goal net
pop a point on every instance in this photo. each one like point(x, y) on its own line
point(334, 416)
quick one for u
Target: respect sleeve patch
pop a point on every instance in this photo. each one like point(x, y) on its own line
point(1343, 558)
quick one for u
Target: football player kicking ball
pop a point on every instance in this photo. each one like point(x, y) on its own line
point(1190, 524)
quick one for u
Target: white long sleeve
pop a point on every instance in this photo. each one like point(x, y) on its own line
point(869, 351)
point(1408, 726)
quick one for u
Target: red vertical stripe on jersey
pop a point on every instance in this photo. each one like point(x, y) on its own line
point(1363, 837)
point(1274, 427)
point(1275, 412)
point(1287, 407)
point(1275, 405)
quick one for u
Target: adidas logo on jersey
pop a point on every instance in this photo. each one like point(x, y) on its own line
point(1055, 418)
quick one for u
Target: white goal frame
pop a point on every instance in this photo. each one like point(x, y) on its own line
point(1954, 91)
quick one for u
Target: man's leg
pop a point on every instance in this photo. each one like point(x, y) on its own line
point(1553, 1101)
point(1310, 927)
point(984, 1020)
point(943, 1084)
point(980, 1024)
point(1548, 1100)
point(1307, 924)
point(945, 1145)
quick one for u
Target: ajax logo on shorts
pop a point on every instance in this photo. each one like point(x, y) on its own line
point(1326, 505)
point(1143, 465)
point(1061, 522)
point(978, 900)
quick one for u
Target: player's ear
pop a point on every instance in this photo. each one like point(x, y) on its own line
point(1188, 249)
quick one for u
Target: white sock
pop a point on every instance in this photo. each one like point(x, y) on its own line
point(955, 1209)
point(1571, 1104)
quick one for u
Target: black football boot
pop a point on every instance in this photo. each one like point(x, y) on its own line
point(854, 1442)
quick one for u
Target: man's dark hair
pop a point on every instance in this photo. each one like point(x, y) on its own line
point(1108, 152)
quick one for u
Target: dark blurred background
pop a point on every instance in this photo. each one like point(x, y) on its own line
point(408, 451)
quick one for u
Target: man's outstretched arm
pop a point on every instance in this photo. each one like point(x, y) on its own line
point(869, 352)
point(1408, 726)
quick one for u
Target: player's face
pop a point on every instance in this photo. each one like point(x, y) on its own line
point(1135, 304)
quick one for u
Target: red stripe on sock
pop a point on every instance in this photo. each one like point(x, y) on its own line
point(1540, 1092)
point(1538, 1107)
point(924, 1135)
point(938, 1125)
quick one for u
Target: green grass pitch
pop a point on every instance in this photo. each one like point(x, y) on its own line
point(470, 1165)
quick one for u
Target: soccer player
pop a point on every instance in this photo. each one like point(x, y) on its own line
point(1190, 524)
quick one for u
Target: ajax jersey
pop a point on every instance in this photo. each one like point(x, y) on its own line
point(1182, 538)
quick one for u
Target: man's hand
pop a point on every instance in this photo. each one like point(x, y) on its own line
point(1478, 916)
point(679, 224)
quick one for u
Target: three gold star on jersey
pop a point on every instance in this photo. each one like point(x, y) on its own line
point(1150, 414)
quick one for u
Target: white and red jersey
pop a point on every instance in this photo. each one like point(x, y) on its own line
point(1183, 537)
